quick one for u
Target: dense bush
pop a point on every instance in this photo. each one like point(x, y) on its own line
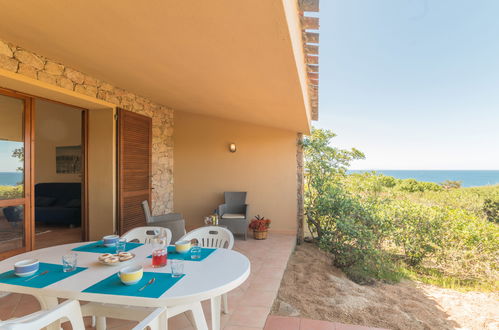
point(381, 227)
point(412, 185)
point(491, 209)
point(11, 192)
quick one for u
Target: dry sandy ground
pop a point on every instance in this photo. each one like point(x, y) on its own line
point(312, 288)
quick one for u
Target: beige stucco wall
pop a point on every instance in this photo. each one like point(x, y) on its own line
point(11, 114)
point(101, 172)
point(264, 166)
point(56, 125)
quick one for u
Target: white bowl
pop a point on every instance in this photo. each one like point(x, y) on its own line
point(27, 267)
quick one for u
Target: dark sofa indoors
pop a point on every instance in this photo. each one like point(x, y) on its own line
point(58, 203)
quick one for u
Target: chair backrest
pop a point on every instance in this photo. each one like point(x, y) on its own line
point(211, 237)
point(235, 202)
point(145, 235)
point(153, 321)
point(147, 211)
point(69, 309)
point(235, 197)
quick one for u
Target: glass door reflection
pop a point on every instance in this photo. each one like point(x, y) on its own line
point(14, 220)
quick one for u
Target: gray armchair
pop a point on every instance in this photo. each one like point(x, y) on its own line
point(234, 213)
point(173, 221)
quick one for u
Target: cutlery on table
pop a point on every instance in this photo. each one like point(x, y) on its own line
point(151, 281)
point(42, 273)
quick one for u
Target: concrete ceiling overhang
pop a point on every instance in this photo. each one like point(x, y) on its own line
point(235, 59)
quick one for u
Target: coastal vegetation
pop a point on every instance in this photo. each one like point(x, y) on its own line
point(11, 192)
point(378, 227)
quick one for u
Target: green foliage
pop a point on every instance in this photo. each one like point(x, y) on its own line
point(379, 227)
point(449, 184)
point(19, 153)
point(491, 209)
point(11, 192)
point(417, 228)
point(323, 165)
point(411, 185)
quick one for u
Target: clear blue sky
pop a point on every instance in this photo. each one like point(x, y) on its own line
point(7, 162)
point(414, 84)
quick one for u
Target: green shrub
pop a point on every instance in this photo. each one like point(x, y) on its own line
point(412, 185)
point(491, 209)
point(11, 192)
point(417, 229)
point(378, 227)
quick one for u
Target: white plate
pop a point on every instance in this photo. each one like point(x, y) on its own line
point(119, 263)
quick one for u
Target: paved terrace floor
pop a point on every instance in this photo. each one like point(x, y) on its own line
point(249, 304)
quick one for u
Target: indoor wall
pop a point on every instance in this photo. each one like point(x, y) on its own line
point(264, 165)
point(56, 125)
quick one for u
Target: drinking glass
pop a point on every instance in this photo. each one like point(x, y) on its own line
point(159, 258)
point(196, 252)
point(177, 268)
point(121, 245)
point(69, 262)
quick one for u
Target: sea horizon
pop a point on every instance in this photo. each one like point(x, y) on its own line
point(468, 178)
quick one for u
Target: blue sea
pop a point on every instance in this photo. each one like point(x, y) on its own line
point(468, 178)
point(10, 178)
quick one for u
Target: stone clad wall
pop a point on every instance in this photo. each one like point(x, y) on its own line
point(22, 61)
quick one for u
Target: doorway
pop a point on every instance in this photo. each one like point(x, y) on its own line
point(58, 173)
point(42, 173)
point(15, 174)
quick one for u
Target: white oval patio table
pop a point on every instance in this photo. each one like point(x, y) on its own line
point(222, 271)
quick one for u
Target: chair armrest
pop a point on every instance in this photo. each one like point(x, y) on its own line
point(221, 209)
point(246, 210)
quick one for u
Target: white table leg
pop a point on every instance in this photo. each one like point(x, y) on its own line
point(198, 316)
point(163, 321)
point(225, 302)
point(215, 312)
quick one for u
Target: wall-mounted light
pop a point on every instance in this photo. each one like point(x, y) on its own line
point(232, 147)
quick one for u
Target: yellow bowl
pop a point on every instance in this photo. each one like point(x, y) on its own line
point(183, 246)
point(131, 275)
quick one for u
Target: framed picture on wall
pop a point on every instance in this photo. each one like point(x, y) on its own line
point(68, 159)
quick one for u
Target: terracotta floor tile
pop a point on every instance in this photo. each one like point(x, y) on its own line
point(249, 316)
point(271, 286)
point(275, 322)
point(341, 326)
point(27, 305)
point(119, 324)
point(271, 272)
point(259, 298)
point(308, 324)
point(179, 322)
point(8, 304)
point(237, 327)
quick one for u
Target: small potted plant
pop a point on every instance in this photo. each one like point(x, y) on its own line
point(260, 227)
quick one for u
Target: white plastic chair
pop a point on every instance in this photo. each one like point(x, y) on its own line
point(69, 309)
point(213, 237)
point(145, 235)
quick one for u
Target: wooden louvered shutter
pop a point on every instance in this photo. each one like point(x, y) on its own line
point(134, 167)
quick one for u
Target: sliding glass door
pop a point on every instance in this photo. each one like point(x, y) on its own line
point(16, 225)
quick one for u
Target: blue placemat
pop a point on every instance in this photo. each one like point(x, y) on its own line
point(98, 247)
point(173, 254)
point(54, 274)
point(113, 285)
